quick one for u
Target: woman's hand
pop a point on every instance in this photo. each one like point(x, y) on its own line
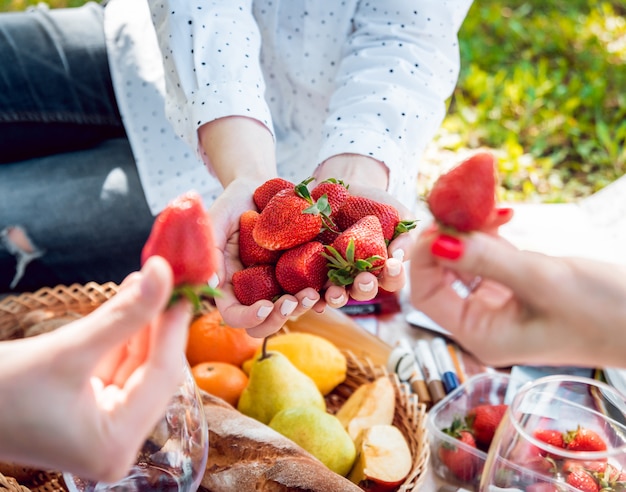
point(529, 308)
point(264, 317)
point(83, 398)
point(368, 177)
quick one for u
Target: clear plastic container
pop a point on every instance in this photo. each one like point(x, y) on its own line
point(492, 388)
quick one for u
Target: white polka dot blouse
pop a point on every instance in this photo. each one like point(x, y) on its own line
point(365, 77)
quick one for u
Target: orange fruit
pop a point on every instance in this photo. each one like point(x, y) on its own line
point(221, 379)
point(212, 340)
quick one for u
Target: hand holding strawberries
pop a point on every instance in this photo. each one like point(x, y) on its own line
point(256, 238)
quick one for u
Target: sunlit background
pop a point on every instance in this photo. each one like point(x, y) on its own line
point(543, 83)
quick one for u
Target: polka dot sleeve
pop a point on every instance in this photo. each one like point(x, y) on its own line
point(400, 64)
point(210, 53)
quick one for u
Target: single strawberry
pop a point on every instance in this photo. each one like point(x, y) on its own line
point(582, 480)
point(483, 420)
point(583, 439)
point(550, 436)
point(355, 208)
point(255, 283)
point(594, 467)
point(459, 457)
point(290, 218)
point(182, 234)
point(336, 192)
point(264, 193)
point(301, 267)
point(360, 248)
point(464, 198)
point(250, 253)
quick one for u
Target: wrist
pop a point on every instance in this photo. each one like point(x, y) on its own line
point(354, 169)
point(238, 147)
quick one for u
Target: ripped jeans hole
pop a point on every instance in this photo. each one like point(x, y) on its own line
point(17, 242)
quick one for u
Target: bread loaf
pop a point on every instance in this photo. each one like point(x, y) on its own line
point(248, 456)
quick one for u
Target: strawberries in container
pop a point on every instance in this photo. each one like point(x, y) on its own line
point(311, 238)
point(475, 408)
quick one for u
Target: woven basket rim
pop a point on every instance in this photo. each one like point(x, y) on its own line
point(81, 299)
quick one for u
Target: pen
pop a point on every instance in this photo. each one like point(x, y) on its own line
point(445, 365)
point(429, 368)
point(460, 372)
point(402, 361)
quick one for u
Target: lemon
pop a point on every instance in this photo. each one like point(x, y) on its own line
point(315, 356)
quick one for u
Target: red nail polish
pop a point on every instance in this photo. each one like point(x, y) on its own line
point(447, 247)
point(504, 211)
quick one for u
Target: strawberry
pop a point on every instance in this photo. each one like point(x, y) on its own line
point(250, 253)
point(336, 192)
point(483, 420)
point(360, 248)
point(301, 267)
point(582, 480)
point(357, 207)
point(583, 439)
point(264, 193)
point(463, 199)
point(290, 218)
point(550, 436)
point(594, 467)
point(255, 283)
point(459, 459)
point(182, 234)
point(327, 236)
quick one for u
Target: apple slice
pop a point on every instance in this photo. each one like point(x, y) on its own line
point(383, 459)
point(371, 404)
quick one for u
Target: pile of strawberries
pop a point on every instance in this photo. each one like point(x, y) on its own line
point(298, 238)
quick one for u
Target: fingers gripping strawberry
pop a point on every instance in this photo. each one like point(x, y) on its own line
point(183, 235)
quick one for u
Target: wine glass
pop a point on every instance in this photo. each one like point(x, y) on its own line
point(560, 433)
point(174, 456)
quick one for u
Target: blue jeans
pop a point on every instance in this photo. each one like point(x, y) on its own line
point(72, 209)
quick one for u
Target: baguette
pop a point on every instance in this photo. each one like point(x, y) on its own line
point(248, 456)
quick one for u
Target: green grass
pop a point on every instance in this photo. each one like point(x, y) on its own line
point(543, 82)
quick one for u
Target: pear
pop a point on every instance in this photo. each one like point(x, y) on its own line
point(276, 384)
point(319, 433)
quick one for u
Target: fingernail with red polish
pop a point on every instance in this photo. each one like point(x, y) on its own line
point(504, 211)
point(447, 247)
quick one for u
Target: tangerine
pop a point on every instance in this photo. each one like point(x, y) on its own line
point(212, 340)
point(221, 379)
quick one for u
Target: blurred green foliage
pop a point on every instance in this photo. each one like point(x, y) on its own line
point(10, 5)
point(544, 83)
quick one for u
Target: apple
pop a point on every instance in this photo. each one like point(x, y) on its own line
point(371, 404)
point(383, 459)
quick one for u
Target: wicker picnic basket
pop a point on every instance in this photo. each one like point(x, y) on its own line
point(21, 313)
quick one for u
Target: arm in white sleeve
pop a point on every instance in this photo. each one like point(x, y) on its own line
point(210, 53)
point(400, 65)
